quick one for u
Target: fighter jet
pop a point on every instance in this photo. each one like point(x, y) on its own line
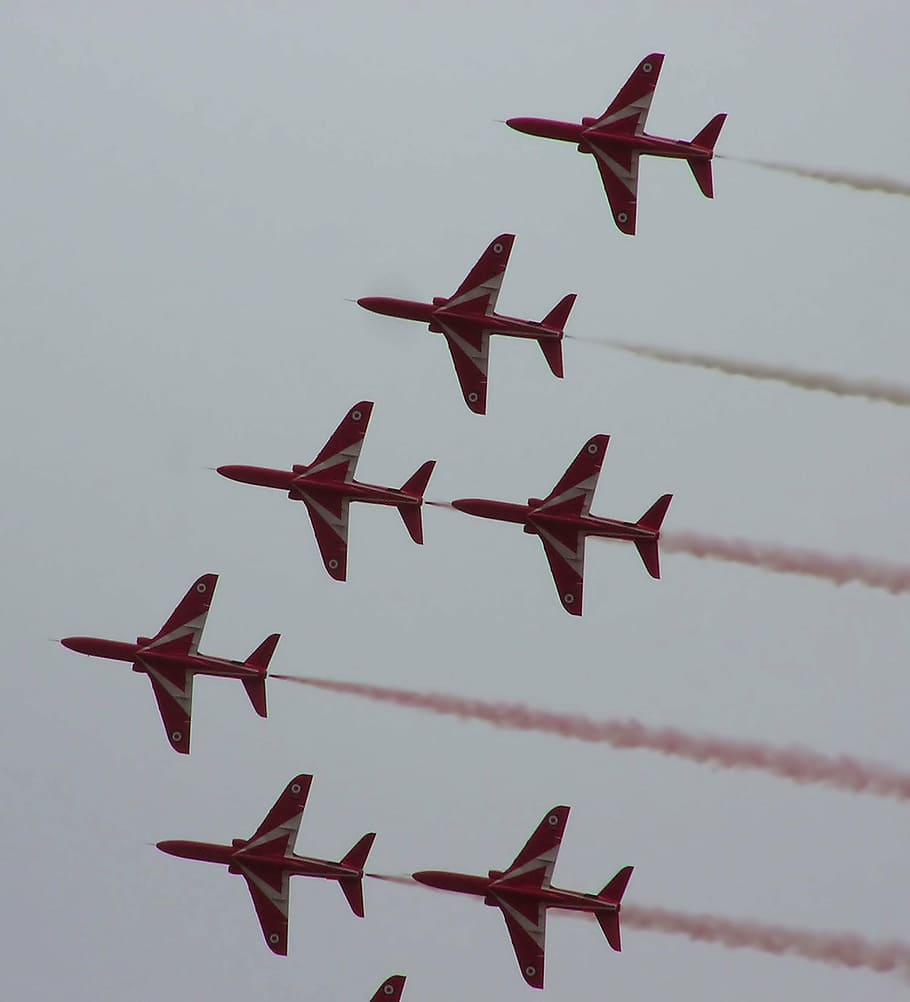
point(267, 861)
point(327, 487)
point(468, 318)
point(171, 659)
point(563, 522)
point(618, 138)
point(523, 893)
point(390, 990)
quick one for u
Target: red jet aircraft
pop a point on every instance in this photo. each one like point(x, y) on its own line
point(172, 659)
point(390, 990)
point(523, 893)
point(563, 522)
point(467, 319)
point(267, 861)
point(618, 138)
point(327, 487)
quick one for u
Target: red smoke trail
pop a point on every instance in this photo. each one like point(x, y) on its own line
point(894, 578)
point(841, 949)
point(838, 949)
point(796, 764)
point(859, 182)
point(867, 389)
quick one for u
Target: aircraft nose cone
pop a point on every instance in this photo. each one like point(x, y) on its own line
point(77, 644)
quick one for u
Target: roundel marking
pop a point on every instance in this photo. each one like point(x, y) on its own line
point(623, 217)
point(592, 448)
point(389, 990)
point(472, 396)
point(295, 788)
point(356, 415)
point(177, 736)
point(552, 820)
point(647, 67)
point(497, 248)
point(568, 598)
point(530, 971)
point(201, 588)
point(333, 563)
point(274, 937)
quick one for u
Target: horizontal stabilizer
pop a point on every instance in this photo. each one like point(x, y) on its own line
point(356, 859)
point(653, 518)
point(261, 657)
point(353, 891)
point(609, 922)
point(703, 176)
point(708, 135)
point(647, 550)
point(552, 352)
point(255, 689)
point(617, 887)
point(558, 316)
point(411, 513)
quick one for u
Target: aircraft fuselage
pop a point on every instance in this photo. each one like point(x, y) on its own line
point(587, 138)
point(533, 519)
point(143, 657)
point(297, 483)
point(488, 887)
point(234, 857)
point(437, 316)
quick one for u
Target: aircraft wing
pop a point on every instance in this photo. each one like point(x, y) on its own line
point(618, 168)
point(337, 459)
point(575, 491)
point(470, 350)
point(329, 518)
point(390, 990)
point(565, 551)
point(481, 287)
point(173, 688)
point(279, 828)
point(527, 925)
point(535, 863)
point(628, 111)
point(183, 630)
point(270, 891)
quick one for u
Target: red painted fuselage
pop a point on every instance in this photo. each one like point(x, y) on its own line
point(533, 519)
point(436, 314)
point(230, 855)
point(589, 140)
point(143, 657)
point(296, 478)
point(485, 887)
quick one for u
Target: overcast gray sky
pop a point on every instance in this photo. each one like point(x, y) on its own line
point(190, 192)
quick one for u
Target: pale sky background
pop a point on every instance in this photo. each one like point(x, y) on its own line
point(190, 192)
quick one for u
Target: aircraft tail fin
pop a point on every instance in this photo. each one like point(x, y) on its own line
point(609, 921)
point(557, 317)
point(701, 169)
point(652, 520)
point(352, 886)
point(411, 513)
point(707, 138)
point(356, 859)
point(261, 657)
point(255, 689)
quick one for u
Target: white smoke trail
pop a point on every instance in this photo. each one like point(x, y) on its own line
point(798, 765)
point(894, 578)
point(868, 389)
point(859, 182)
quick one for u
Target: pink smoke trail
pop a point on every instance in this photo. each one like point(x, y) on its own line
point(859, 182)
point(841, 949)
point(799, 765)
point(894, 578)
point(867, 389)
point(838, 949)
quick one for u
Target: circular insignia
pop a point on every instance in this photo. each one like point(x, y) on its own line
point(177, 736)
point(472, 397)
point(647, 67)
point(623, 217)
point(200, 588)
point(568, 598)
point(592, 448)
point(356, 415)
point(497, 248)
point(333, 563)
point(388, 989)
point(274, 937)
point(552, 820)
point(295, 788)
point(530, 971)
